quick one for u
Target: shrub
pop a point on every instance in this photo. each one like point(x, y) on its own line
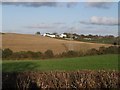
point(92, 52)
point(112, 50)
point(49, 54)
point(26, 55)
point(20, 55)
point(38, 55)
point(72, 53)
point(31, 54)
point(6, 53)
point(102, 50)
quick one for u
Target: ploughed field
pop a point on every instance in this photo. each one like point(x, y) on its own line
point(25, 42)
point(98, 62)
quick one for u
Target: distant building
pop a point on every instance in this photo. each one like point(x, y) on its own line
point(63, 35)
point(49, 35)
point(87, 38)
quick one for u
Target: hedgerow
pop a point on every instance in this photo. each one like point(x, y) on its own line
point(9, 54)
point(57, 80)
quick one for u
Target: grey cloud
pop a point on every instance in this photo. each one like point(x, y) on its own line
point(105, 5)
point(71, 4)
point(101, 21)
point(54, 3)
point(39, 4)
point(100, 3)
point(31, 4)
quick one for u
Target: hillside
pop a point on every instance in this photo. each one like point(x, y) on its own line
point(27, 42)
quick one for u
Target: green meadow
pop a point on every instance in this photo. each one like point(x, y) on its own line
point(98, 62)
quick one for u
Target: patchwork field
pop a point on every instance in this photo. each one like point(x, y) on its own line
point(25, 42)
point(100, 62)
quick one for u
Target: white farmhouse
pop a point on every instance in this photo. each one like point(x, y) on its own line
point(49, 35)
point(63, 35)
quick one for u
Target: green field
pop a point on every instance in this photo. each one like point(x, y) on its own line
point(101, 40)
point(107, 62)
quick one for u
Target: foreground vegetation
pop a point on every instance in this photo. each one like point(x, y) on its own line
point(99, 62)
point(76, 80)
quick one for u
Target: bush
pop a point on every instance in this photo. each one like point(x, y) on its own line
point(92, 52)
point(112, 50)
point(26, 55)
point(49, 54)
point(81, 53)
point(6, 53)
point(102, 50)
point(72, 53)
point(19, 55)
point(31, 54)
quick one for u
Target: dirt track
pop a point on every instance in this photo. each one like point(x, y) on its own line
point(25, 42)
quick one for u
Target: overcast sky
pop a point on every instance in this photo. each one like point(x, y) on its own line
point(99, 18)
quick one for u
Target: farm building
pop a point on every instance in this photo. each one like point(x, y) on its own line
point(63, 35)
point(88, 38)
point(49, 35)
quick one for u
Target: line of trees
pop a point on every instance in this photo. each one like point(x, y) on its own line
point(9, 54)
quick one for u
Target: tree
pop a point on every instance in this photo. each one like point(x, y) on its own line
point(49, 54)
point(55, 33)
point(6, 53)
point(38, 33)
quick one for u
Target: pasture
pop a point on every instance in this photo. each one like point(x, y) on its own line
point(99, 62)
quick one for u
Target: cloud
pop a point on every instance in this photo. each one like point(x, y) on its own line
point(41, 26)
point(40, 0)
point(31, 4)
point(28, 0)
point(39, 3)
point(59, 0)
point(100, 3)
point(71, 4)
point(54, 3)
point(46, 25)
point(101, 21)
point(104, 5)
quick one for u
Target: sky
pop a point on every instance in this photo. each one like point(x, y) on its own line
point(99, 18)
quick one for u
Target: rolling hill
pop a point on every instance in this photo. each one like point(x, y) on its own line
point(27, 42)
